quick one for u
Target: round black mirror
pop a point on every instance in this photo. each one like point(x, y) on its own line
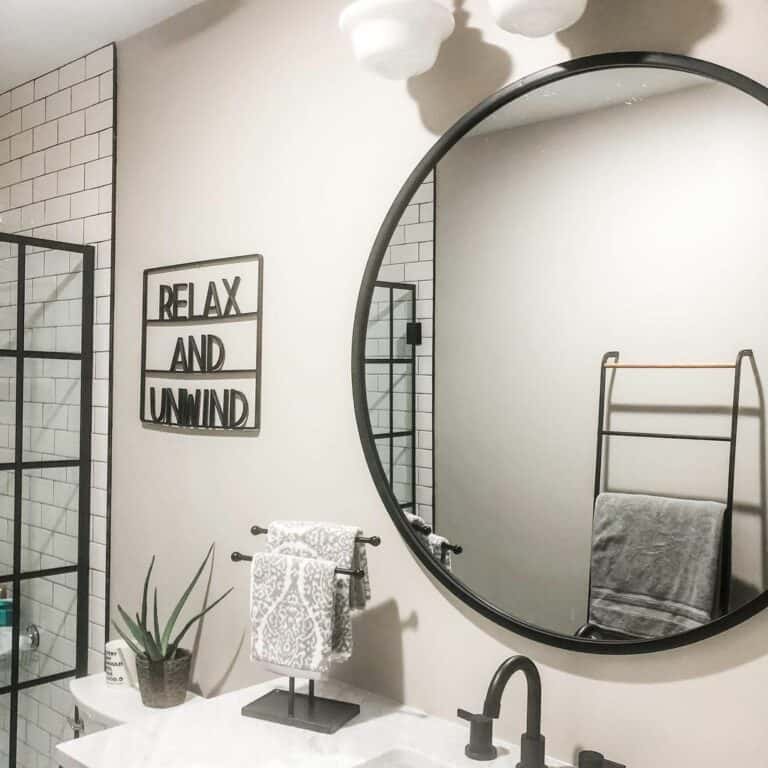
point(558, 348)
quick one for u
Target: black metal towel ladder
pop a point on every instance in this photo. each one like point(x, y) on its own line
point(602, 433)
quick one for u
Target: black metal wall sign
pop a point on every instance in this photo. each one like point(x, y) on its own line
point(201, 344)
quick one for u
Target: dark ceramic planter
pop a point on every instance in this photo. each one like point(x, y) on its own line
point(164, 683)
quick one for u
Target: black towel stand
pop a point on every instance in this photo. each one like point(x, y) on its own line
point(445, 548)
point(304, 710)
point(301, 710)
point(358, 573)
point(374, 541)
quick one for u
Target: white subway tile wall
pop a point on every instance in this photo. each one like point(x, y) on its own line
point(408, 259)
point(56, 174)
point(42, 723)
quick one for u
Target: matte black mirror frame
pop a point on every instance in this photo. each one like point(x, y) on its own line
point(419, 174)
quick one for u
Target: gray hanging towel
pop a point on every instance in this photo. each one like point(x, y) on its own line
point(417, 521)
point(655, 563)
point(435, 546)
point(292, 613)
point(432, 541)
point(337, 543)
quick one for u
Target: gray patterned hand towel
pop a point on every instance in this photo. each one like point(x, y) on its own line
point(334, 542)
point(292, 607)
point(655, 563)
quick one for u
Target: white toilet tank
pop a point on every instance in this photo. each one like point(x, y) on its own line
point(105, 706)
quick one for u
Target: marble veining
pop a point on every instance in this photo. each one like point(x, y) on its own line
point(213, 734)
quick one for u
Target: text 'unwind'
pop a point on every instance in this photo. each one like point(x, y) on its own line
point(213, 404)
point(199, 408)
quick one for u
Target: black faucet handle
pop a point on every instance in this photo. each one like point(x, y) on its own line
point(591, 759)
point(480, 745)
point(471, 717)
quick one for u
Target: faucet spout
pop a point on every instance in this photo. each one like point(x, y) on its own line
point(492, 706)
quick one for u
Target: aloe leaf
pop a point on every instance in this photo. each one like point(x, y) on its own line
point(143, 621)
point(180, 605)
point(132, 626)
point(158, 642)
point(133, 629)
point(149, 643)
point(175, 644)
point(128, 640)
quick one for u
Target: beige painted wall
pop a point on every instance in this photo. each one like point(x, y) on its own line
point(632, 228)
point(248, 126)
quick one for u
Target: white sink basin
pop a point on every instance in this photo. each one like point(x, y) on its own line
point(402, 758)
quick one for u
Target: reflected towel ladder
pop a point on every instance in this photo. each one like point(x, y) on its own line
point(602, 433)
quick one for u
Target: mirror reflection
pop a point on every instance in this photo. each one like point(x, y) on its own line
point(564, 355)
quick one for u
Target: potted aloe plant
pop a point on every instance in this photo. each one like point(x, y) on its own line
point(163, 667)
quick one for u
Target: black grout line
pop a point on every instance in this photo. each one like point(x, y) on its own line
point(58, 143)
point(63, 194)
point(56, 197)
point(56, 69)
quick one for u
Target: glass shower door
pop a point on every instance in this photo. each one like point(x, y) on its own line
point(46, 362)
point(390, 367)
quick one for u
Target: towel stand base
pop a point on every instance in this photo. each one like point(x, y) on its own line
point(300, 710)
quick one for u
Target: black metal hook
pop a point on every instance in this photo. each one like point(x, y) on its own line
point(374, 541)
point(420, 527)
point(358, 573)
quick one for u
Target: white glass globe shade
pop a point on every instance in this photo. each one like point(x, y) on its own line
point(536, 18)
point(397, 39)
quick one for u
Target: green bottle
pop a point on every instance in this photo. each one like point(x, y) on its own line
point(6, 608)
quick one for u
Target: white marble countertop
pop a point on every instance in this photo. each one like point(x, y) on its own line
point(214, 734)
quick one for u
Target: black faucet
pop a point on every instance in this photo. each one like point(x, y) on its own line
point(480, 745)
point(590, 759)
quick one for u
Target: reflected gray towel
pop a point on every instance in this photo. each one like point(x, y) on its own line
point(292, 612)
point(655, 563)
point(412, 518)
point(432, 541)
point(435, 545)
point(419, 524)
point(334, 542)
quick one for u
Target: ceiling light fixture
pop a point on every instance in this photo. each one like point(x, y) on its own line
point(536, 18)
point(397, 39)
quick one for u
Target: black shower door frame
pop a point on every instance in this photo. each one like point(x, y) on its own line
point(391, 361)
point(18, 465)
